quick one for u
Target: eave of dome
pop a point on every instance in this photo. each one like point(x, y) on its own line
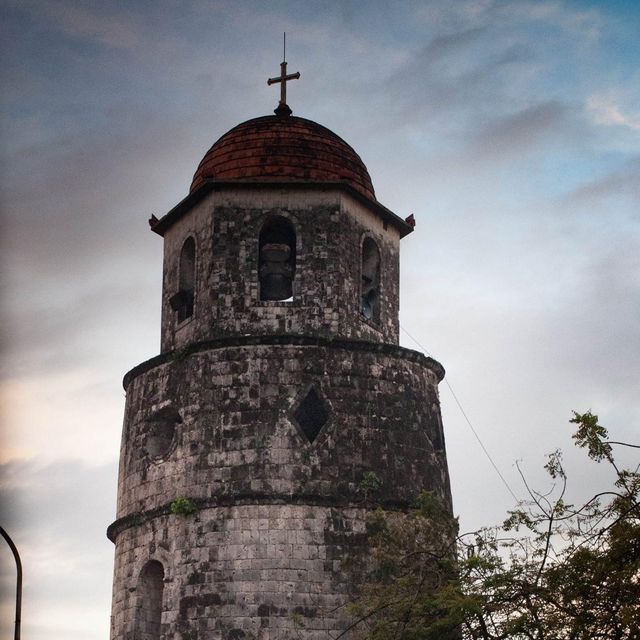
point(163, 224)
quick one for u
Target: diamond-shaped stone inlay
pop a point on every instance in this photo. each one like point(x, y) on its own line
point(311, 414)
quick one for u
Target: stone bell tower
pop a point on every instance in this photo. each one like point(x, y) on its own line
point(279, 385)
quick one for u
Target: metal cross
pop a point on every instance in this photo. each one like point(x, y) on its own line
point(282, 79)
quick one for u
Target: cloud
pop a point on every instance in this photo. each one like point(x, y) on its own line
point(623, 183)
point(517, 132)
point(528, 328)
point(67, 330)
point(69, 201)
point(58, 415)
point(606, 112)
point(471, 113)
point(55, 515)
point(443, 45)
point(119, 29)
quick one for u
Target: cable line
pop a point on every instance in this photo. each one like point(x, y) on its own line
point(475, 433)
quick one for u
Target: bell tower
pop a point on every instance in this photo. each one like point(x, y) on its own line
point(279, 386)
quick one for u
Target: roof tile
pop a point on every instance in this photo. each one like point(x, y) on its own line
point(290, 147)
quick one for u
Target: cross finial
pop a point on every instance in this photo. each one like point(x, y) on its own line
point(283, 108)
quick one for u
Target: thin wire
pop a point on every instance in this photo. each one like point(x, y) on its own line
point(475, 433)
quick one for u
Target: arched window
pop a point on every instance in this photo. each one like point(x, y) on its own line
point(277, 259)
point(370, 283)
point(182, 301)
point(149, 602)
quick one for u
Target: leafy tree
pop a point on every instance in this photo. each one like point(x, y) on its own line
point(552, 571)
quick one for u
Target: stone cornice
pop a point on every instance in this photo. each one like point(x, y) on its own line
point(253, 499)
point(286, 340)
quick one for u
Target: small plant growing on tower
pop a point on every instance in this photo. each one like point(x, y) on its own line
point(183, 507)
point(369, 484)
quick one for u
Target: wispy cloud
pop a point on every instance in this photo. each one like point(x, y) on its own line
point(517, 132)
point(605, 111)
point(92, 22)
point(601, 190)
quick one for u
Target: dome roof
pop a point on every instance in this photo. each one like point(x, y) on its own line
point(283, 148)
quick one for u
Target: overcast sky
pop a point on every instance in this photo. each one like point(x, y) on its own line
point(511, 130)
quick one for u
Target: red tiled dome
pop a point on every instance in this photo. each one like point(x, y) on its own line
point(277, 148)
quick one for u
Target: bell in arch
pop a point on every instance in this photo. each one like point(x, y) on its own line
point(277, 260)
point(276, 272)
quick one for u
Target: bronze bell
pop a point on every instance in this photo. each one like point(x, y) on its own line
point(276, 272)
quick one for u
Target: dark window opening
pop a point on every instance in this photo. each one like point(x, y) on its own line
point(370, 284)
point(182, 301)
point(311, 414)
point(277, 260)
point(149, 606)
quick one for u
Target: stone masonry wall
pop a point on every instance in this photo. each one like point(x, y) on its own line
point(265, 417)
point(236, 434)
point(330, 228)
point(277, 538)
point(250, 572)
